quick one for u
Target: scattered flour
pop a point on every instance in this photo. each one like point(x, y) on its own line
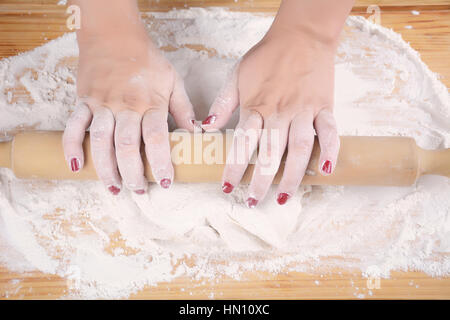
point(111, 247)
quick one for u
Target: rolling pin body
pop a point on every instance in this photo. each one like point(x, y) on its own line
point(388, 161)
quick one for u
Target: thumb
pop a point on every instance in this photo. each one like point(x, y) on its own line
point(224, 104)
point(180, 107)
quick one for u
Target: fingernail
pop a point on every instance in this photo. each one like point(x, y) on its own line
point(209, 120)
point(140, 191)
point(114, 190)
point(251, 202)
point(75, 164)
point(165, 183)
point(282, 198)
point(227, 187)
point(327, 167)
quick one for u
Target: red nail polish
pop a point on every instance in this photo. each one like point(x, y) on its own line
point(251, 202)
point(165, 183)
point(327, 166)
point(140, 191)
point(74, 164)
point(227, 187)
point(114, 190)
point(282, 198)
point(209, 120)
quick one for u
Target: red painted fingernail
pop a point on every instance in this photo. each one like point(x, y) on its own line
point(251, 202)
point(327, 166)
point(165, 183)
point(282, 198)
point(209, 120)
point(114, 190)
point(140, 191)
point(75, 164)
point(227, 187)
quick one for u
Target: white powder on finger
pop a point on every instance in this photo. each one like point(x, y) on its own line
point(111, 247)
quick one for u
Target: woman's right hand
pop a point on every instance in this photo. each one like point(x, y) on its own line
point(126, 89)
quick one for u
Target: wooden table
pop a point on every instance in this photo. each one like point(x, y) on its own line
point(25, 24)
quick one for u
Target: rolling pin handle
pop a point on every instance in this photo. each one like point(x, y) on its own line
point(5, 154)
point(435, 162)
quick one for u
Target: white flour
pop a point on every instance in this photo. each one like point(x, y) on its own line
point(110, 247)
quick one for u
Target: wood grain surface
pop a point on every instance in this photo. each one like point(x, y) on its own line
point(339, 284)
point(25, 24)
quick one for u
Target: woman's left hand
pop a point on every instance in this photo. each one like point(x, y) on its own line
point(285, 86)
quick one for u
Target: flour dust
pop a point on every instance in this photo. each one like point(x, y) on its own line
point(111, 247)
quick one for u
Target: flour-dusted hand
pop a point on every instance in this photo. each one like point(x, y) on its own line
point(285, 86)
point(126, 88)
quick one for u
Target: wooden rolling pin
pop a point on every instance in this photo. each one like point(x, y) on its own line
point(387, 161)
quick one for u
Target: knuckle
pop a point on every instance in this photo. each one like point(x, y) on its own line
point(166, 67)
point(159, 97)
point(102, 124)
point(248, 135)
point(155, 137)
point(70, 141)
point(132, 100)
point(253, 120)
point(326, 116)
point(301, 144)
point(77, 116)
point(127, 141)
point(99, 133)
point(329, 140)
point(154, 129)
point(153, 117)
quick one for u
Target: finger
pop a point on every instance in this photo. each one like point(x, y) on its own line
point(155, 133)
point(325, 126)
point(245, 141)
point(300, 145)
point(102, 148)
point(180, 107)
point(271, 148)
point(73, 137)
point(127, 140)
point(224, 104)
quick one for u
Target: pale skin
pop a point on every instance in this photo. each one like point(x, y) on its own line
point(284, 84)
point(127, 88)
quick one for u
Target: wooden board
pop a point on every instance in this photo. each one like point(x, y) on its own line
point(25, 24)
point(339, 284)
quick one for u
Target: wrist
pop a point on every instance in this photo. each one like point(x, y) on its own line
point(108, 19)
point(303, 34)
point(125, 37)
point(319, 20)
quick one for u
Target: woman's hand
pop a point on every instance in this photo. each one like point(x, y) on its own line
point(127, 88)
point(283, 85)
